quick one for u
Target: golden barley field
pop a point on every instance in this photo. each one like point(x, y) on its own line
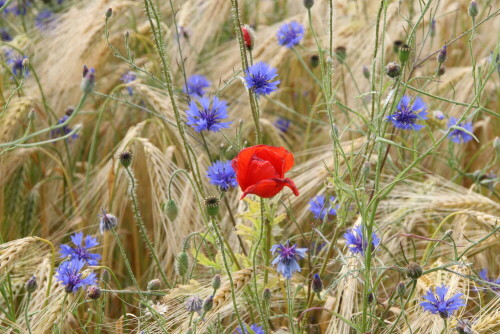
point(250, 166)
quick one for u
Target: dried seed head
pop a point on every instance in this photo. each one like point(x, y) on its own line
point(308, 3)
point(401, 289)
point(414, 270)
point(393, 70)
point(93, 292)
point(194, 304)
point(317, 284)
point(182, 263)
point(473, 9)
point(125, 158)
point(248, 36)
point(404, 53)
point(216, 282)
point(441, 58)
point(171, 209)
point(154, 284)
point(212, 205)
point(107, 221)
point(31, 284)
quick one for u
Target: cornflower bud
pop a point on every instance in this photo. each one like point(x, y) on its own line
point(393, 70)
point(154, 284)
point(216, 282)
point(88, 81)
point(401, 289)
point(109, 12)
point(266, 294)
point(317, 284)
point(366, 72)
point(413, 270)
point(31, 284)
point(441, 58)
point(208, 303)
point(93, 292)
point(341, 53)
point(396, 45)
point(308, 3)
point(404, 53)
point(314, 61)
point(473, 9)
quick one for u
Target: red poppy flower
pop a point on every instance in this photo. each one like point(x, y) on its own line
point(261, 169)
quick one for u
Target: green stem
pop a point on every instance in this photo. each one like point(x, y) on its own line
point(26, 312)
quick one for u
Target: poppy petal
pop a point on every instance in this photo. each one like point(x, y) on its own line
point(270, 187)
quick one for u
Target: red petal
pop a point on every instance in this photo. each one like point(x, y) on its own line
point(270, 187)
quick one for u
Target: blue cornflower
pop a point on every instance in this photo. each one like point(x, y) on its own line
point(457, 135)
point(44, 20)
point(290, 34)
point(320, 209)
point(407, 114)
point(356, 242)
point(222, 174)
point(438, 304)
point(259, 78)
point(4, 34)
point(128, 78)
point(16, 63)
point(484, 275)
point(196, 85)
point(282, 124)
point(62, 131)
point(255, 328)
point(81, 250)
point(286, 258)
point(21, 8)
point(206, 115)
point(70, 275)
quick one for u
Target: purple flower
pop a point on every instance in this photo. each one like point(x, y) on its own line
point(128, 78)
point(290, 34)
point(64, 130)
point(4, 34)
point(356, 242)
point(484, 275)
point(407, 114)
point(436, 303)
point(81, 249)
point(259, 79)
point(21, 8)
point(255, 328)
point(16, 63)
point(457, 135)
point(282, 124)
point(207, 115)
point(70, 276)
point(286, 258)
point(222, 174)
point(44, 20)
point(196, 85)
point(320, 209)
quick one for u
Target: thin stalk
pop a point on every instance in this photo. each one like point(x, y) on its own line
point(26, 312)
point(125, 260)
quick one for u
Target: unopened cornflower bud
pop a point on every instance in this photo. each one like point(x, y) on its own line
point(93, 292)
point(414, 270)
point(109, 12)
point(266, 294)
point(85, 71)
point(432, 31)
point(182, 263)
point(125, 158)
point(371, 297)
point(317, 284)
point(194, 304)
point(396, 45)
point(31, 114)
point(314, 61)
point(441, 58)
point(463, 327)
point(88, 81)
point(401, 289)
point(248, 36)
point(366, 72)
point(127, 34)
point(393, 70)
point(171, 209)
point(208, 303)
point(216, 282)
point(212, 205)
point(341, 53)
point(154, 284)
point(31, 284)
point(107, 221)
point(473, 9)
point(308, 3)
point(404, 53)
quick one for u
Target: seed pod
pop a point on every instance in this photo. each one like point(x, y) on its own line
point(93, 292)
point(212, 205)
point(413, 270)
point(308, 3)
point(216, 282)
point(393, 70)
point(404, 53)
point(182, 263)
point(31, 284)
point(171, 209)
point(154, 284)
point(125, 158)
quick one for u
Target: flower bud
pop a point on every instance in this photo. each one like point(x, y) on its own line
point(314, 60)
point(308, 3)
point(473, 9)
point(396, 45)
point(127, 34)
point(216, 282)
point(317, 284)
point(85, 71)
point(93, 292)
point(182, 263)
point(31, 284)
point(341, 53)
point(366, 72)
point(88, 81)
point(404, 53)
point(154, 284)
point(171, 209)
point(401, 289)
point(125, 158)
point(248, 36)
point(413, 270)
point(441, 58)
point(107, 221)
point(208, 303)
point(212, 205)
point(26, 62)
point(393, 70)
point(31, 114)
point(194, 304)
point(463, 327)
point(371, 297)
point(109, 12)
point(266, 294)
